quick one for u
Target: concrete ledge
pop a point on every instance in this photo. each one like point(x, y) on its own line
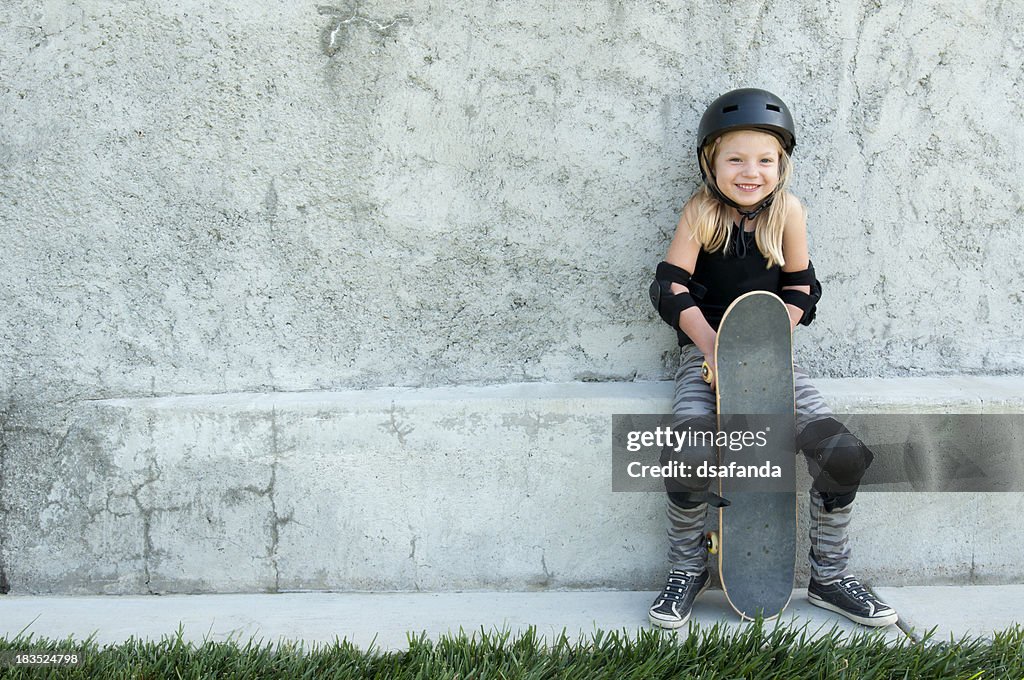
point(995, 394)
point(456, 488)
point(951, 394)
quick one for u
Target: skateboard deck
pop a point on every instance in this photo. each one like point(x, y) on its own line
point(756, 540)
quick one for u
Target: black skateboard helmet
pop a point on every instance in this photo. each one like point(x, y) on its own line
point(747, 108)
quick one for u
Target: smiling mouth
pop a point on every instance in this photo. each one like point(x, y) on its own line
point(749, 187)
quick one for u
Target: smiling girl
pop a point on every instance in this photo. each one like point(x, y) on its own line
point(743, 231)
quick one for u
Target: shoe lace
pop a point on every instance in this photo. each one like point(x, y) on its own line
point(678, 582)
point(852, 586)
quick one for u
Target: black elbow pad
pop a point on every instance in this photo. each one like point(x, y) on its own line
point(807, 303)
point(667, 304)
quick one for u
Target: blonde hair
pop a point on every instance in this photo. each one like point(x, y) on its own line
point(713, 226)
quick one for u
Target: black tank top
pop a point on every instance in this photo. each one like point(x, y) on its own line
point(721, 277)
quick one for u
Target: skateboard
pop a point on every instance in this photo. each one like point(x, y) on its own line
point(756, 538)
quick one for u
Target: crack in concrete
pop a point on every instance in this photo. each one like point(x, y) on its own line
point(394, 427)
point(275, 527)
point(344, 17)
point(5, 584)
point(107, 509)
point(412, 558)
point(270, 492)
point(548, 575)
point(972, 576)
point(762, 18)
point(152, 475)
point(44, 41)
point(858, 115)
point(147, 539)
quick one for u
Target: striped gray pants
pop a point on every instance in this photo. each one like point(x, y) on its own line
point(830, 546)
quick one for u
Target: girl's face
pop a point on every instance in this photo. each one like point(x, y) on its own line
point(747, 166)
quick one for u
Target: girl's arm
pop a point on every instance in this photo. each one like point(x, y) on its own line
point(794, 249)
point(683, 253)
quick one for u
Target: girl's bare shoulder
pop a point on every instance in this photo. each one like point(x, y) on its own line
point(795, 205)
point(796, 213)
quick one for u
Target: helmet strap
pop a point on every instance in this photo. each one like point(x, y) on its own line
point(741, 244)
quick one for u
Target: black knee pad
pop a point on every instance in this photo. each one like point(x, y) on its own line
point(692, 456)
point(692, 459)
point(688, 500)
point(833, 501)
point(685, 499)
point(845, 459)
point(836, 458)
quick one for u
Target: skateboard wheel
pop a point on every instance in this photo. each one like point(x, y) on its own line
point(712, 542)
point(705, 373)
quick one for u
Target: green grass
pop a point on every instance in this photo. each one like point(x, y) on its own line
point(757, 651)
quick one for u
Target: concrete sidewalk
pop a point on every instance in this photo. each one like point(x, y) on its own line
point(384, 619)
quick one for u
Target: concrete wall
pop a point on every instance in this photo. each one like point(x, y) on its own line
point(206, 197)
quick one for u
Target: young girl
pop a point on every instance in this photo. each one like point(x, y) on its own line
point(744, 231)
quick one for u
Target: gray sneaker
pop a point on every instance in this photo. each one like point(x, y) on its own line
point(671, 609)
point(849, 598)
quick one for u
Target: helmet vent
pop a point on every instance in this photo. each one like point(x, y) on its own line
point(772, 107)
point(730, 109)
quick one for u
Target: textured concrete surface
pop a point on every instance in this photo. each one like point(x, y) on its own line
point(384, 620)
point(320, 617)
point(216, 197)
point(208, 198)
point(506, 488)
point(977, 611)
